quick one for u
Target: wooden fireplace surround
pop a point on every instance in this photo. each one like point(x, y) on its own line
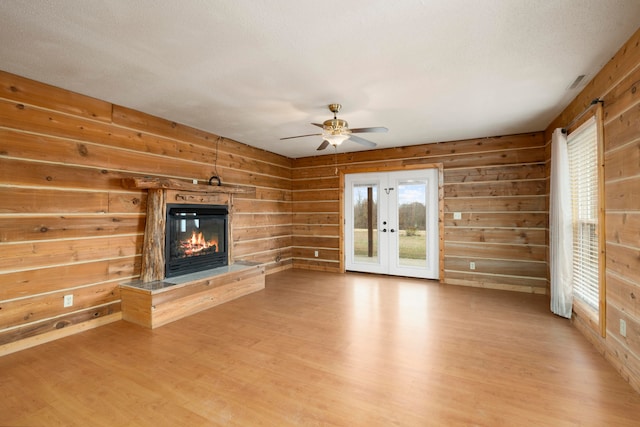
point(153, 300)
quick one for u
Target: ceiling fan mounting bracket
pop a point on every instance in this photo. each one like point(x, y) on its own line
point(335, 108)
point(336, 125)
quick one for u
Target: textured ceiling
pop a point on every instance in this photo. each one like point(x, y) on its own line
point(257, 71)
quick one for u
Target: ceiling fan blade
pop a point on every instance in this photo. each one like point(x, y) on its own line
point(318, 124)
point(301, 136)
point(362, 141)
point(324, 145)
point(378, 129)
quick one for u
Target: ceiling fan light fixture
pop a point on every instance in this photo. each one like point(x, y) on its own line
point(335, 131)
point(334, 138)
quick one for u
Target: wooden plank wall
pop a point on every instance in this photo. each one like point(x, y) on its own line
point(618, 85)
point(68, 227)
point(498, 184)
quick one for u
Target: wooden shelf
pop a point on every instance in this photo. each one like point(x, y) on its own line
point(148, 183)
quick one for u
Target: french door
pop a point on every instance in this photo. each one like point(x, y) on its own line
point(391, 223)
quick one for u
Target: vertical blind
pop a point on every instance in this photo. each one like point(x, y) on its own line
point(582, 145)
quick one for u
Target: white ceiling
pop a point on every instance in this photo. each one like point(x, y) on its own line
point(256, 71)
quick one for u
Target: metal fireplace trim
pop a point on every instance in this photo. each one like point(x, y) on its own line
point(177, 267)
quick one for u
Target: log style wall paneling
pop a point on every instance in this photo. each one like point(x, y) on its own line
point(67, 226)
point(498, 184)
point(618, 85)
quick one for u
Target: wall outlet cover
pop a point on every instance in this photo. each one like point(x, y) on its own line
point(68, 300)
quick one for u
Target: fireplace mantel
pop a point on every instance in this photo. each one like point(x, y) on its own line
point(146, 182)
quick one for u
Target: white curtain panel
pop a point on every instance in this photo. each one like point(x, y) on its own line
point(560, 227)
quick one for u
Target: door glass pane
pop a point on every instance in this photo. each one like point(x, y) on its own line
point(365, 223)
point(412, 223)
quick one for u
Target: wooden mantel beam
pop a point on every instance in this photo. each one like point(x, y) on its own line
point(147, 182)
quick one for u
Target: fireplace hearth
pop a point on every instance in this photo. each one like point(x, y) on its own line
point(196, 238)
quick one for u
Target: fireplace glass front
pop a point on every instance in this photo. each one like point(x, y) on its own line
point(196, 238)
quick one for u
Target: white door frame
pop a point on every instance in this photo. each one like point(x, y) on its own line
point(438, 166)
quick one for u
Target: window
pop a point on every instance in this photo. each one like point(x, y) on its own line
point(583, 148)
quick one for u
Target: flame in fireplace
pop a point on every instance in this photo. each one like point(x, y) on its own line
point(197, 243)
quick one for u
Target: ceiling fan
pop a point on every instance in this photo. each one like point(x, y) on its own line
point(335, 131)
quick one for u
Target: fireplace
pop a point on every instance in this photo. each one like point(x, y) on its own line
point(196, 238)
point(189, 227)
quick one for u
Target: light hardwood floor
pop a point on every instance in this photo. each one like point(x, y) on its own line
point(323, 349)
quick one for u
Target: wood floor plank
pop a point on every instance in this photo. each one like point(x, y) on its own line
point(325, 349)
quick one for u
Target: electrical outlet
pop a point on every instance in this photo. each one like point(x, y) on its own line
point(472, 265)
point(316, 254)
point(68, 300)
point(457, 215)
point(195, 181)
point(623, 328)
